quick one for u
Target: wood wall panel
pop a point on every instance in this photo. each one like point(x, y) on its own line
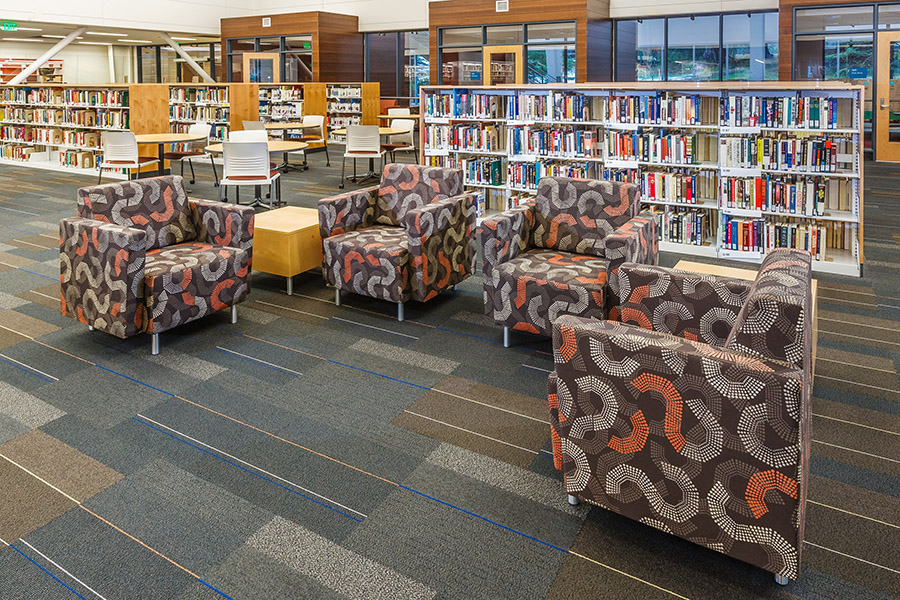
point(465, 13)
point(148, 112)
point(243, 99)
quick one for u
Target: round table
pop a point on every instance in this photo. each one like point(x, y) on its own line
point(409, 116)
point(161, 139)
point(275, 146)
point(381, 131)
point(288, 126)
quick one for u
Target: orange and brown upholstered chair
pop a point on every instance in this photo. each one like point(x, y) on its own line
point(560, 254)
point(410, 238)
point(143, 258)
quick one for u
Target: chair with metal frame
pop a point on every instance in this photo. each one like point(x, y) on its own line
point(120, 151)
point(200, 127)
point(398, 110)
point(401, 141)
point(363, 141)
point(254, 126)
point(247, 163)
point(314, 135)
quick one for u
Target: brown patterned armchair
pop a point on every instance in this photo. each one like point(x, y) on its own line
point(708, 440)
point(560, 255)
point(410, 238)
point(142, 258)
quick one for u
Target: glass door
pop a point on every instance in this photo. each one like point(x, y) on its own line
point(503, 65)
point(262, 67)
point(887, 96)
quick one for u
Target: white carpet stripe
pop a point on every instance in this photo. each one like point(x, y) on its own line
point(39, 478)
point(412, 337)
point(862, 560)
point(44, 295)
point(273, 365)
point(548, 371)
point(506, 410)
point(855, 423)
point(55, 564)
point(866, 385)
point(24, 212)
point(854, 514)
point(252, 466)
point(856, 337)
point(21, 364)
point(857, 366)
point(302, 312)
point(487, 437)
point(857, 451)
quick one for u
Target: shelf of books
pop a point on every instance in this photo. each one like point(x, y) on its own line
point(730, 170)
point(189, 104)
point(60, 126)
point(351, 104)
point(279, 102)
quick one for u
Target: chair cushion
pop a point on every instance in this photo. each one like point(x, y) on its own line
point(158, 205)
point(574, 215)
point(538, 286)
point(406, 187)
point(772, 323)
point(373, 262)
point(189, 281)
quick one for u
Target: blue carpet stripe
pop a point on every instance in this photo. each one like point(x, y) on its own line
point(257, 363)
point(21, 368)
point(247, 470)
point(22, 230)
point(47, 572)
point(500, 525)
point(220, 592)
point(38, 274)
point(135, 380)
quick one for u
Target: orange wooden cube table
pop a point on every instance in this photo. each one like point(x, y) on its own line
point(286, 242)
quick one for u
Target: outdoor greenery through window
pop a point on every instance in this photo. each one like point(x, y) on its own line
point(735, 46)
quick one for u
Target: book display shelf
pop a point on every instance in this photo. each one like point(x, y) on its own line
point(352, 104)
point(731, 170)
point(290, 101)
point(191, 103)
point(56, 126)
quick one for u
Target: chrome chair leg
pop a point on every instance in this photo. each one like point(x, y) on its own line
point(506, 337)
point(154, 344)
point(233, 314)
point(400, 314)
point(337, 296)
point(781, 580)
point(573, 500)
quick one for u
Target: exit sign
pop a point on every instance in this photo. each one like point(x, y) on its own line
point(10, 26)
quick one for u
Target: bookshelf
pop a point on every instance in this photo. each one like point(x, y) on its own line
point(60, 127)
point(730, 169)
point(191, 103)
point(351, 104)
point(51, 72)
point(290, 101)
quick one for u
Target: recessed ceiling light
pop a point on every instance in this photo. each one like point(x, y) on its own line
point(24, 40)
point(106, 33)
point(136, 41)
point(97, 43)
point(183, 39)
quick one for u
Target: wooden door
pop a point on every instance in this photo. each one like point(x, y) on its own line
point(887, 98)
point(262, 67)
point(503, 65)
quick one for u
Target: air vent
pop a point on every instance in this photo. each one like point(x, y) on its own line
point(502, 5)
point(267, 22)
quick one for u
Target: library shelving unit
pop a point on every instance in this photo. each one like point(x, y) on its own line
point(51, 72)
point(225, 106)
point(731, 169)
point(352, 104)
point(290, 101)
point(60, 127)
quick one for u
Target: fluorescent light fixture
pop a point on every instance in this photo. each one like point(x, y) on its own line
point(58, 37)
point(28, 29)
point(183, 39)
point(97, 43)
point(109, 34)
point(24, 40)
point(136, 41)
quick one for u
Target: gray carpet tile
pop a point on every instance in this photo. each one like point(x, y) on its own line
point(279, 467)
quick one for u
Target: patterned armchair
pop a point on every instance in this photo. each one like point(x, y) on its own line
point(142, 258)
point(707, 440)
point(561, 254)
point(410, 238)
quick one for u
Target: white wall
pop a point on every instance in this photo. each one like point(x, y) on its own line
point(82, 64)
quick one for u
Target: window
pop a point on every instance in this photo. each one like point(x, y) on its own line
point(750, 46)
point(692, 53)
point(833, 57)
point(735, 46)
point(399, 62)
point(461, 36)
point(550, 53)
point(462, 66)
point(889, 17)
point(505, 35)
point(816, 20)
point(297, 59)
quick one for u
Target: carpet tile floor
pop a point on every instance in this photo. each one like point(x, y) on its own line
point(315, 451)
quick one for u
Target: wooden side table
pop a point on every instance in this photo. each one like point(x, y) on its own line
point(286, 242)
point(750, 275)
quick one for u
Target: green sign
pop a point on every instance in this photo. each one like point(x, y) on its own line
point(10, 26)
point(307, 45)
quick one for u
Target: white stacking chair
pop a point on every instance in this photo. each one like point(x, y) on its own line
point(315, 135)
point(196, 150)
point(401, 141)
point(398, 110)
point(248, 135)
point(247, 163)
point(363, 141)
point(254, 126)
point(120, 151)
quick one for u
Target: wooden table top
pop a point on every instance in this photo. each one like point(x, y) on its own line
point(287, 219)
point(290, 125)
point(169, 138)
point(723, 271)
point(275, 146)
point(381, 131)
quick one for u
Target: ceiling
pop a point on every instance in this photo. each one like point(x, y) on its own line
point(139, 36)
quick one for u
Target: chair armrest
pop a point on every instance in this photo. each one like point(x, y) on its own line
point(347, 212)
point(224, 224)
point(640, 413)
point(688, 305)
point(635, 241)
point(503, 237)
point(102, 275)
point(441, 243)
